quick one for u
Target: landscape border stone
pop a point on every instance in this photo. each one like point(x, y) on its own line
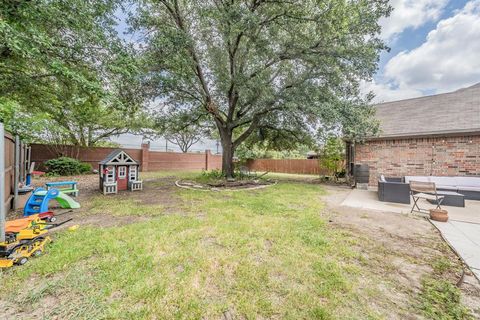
point(263, 186)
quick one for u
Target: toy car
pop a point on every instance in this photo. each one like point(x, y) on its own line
point(48, 216)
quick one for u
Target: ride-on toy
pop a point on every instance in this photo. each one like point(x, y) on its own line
point(23, 238)
point(26, 237)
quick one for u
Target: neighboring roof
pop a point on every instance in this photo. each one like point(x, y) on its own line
point(118, 157)
point(448, 113)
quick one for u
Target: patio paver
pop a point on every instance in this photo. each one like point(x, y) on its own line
point(465, 238)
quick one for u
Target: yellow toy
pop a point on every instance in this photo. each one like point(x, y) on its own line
point(23, 238)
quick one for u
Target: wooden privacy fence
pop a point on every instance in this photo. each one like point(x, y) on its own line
point(15, 166)
point(150, 160)
point(299, 166)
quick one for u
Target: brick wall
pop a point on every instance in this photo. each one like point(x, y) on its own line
point(441, 156)
point(150, 160)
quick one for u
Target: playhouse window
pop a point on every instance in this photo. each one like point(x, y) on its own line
point(133, 173)
point(110, 175)
point(122, 172)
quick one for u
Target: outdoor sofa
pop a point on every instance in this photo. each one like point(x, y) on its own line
point(468, 186)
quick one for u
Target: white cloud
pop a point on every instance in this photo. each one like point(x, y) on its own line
point(410, 14)
point(447, 60)
point(385, 92)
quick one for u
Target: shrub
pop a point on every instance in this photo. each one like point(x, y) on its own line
point(210, 176)
point(65, 166)
point(85, 167)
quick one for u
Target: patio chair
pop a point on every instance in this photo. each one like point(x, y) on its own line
point(424, 190)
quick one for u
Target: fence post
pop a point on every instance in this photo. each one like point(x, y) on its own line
point(2, 184)
point(145, 156)
point(16, 173)
point(207, 158)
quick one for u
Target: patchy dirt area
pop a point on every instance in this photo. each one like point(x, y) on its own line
point(402, 248)
point(157, 191)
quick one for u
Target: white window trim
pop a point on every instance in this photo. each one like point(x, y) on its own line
point(132, 173)
point(122, 172)
point(110, 178)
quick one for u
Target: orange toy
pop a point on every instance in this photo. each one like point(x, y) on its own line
point(15, 226)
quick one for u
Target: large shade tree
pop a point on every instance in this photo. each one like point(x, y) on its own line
point(275, 68)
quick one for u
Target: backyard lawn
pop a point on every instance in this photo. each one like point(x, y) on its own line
point(279, 252)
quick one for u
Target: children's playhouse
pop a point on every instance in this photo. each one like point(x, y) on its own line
point(119, 171)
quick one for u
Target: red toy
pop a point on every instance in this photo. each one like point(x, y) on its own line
point(48, 216)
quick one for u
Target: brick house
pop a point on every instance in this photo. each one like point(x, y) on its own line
point(436, 135)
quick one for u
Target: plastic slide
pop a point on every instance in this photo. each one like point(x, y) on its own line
point(38, 201)
point(66, 202)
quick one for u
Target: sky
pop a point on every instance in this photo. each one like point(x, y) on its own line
point(434, 48)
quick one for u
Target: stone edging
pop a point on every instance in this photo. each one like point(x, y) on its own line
point(177, 183)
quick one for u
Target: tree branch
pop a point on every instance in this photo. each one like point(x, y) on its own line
point(209, 104)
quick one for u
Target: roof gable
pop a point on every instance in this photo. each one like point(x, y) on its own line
point(118, 157)
point(448, 113)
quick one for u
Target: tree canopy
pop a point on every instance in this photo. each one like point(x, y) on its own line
point(63, 62)
point(281, 69)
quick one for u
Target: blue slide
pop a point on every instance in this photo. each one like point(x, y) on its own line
point(38, 201)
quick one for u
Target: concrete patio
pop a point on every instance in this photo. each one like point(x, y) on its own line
point(462, 231)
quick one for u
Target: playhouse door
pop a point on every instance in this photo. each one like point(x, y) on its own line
point(122, 178)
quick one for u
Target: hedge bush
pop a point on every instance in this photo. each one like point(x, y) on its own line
point(65, 166)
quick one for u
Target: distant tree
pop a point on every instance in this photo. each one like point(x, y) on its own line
point(184, 139)
point(87, 118)
point(264, 150)
point(181, 128)
point(278, 67)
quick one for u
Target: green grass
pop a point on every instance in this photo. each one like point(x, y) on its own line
point(169, 173)
point(440, 299)
point(252, 254)
point(249, 254)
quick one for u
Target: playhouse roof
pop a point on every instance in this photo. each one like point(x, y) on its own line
point(118, 157)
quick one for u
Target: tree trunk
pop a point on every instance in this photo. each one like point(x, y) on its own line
point(227, 153)
point(227, 160)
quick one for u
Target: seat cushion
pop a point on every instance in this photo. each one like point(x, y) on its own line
point(468, 181)
point(443, 181)
point(417, 178)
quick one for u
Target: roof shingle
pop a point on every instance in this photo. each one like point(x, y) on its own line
point(447, 113)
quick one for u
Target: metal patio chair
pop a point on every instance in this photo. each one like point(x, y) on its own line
point(424, 190)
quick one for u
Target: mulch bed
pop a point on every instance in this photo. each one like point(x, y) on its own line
point(225, 185)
